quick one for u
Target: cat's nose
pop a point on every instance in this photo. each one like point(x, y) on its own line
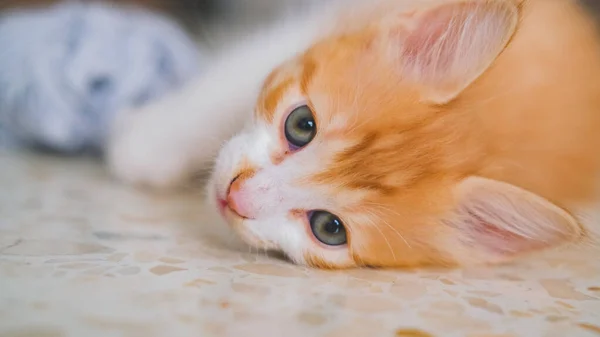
point(238, 200)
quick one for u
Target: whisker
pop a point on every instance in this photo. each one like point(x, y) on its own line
point(385, 238)
point(393, 229)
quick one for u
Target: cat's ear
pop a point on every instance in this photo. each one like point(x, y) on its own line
point(445, 48)
point(496, 222)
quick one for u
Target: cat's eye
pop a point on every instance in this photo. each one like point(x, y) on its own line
point(327, 228)
point(300, 127)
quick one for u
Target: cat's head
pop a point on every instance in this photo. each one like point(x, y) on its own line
point(358, 155)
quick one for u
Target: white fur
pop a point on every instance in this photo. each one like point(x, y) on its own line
point(276, 190)
point(164, 142)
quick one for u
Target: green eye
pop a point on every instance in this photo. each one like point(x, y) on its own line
point(327, 228)
point(300, 127)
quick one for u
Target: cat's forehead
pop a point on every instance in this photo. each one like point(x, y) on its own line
point(317, 72)
point(294, 74)
point(357, 101)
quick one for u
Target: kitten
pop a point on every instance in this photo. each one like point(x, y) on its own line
point(394, 133)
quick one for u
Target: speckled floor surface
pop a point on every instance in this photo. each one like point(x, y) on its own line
point(83, 256)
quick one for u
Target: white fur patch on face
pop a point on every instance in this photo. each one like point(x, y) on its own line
point(278, 194)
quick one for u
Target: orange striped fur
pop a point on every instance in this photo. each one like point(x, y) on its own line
point(395, 158)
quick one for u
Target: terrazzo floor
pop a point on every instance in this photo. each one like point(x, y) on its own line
point(81, 255)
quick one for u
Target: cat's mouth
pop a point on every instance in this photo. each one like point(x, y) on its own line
point(235, 221)
point(251, 238)
point(222, 205)
point(226, 211)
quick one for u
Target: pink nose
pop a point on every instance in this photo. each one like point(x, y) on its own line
point(239, 201)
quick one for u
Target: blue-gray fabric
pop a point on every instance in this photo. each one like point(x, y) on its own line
point(65, 71)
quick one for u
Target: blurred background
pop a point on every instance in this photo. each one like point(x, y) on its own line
point(68, 67)
point(189, 11)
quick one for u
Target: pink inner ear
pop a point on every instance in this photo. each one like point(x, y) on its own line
point(452, 44)
point(500, 221)
point(422, 49)
point(496, 240)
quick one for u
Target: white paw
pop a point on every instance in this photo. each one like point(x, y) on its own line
point(143, 151)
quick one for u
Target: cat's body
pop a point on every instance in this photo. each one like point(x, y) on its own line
point(448, 133)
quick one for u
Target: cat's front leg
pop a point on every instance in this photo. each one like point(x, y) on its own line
point(162, 144)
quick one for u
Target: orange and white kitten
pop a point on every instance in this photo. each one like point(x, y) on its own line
point(396, 133)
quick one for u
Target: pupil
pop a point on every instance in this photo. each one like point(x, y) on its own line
point(306, 124)
point(332, 227)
